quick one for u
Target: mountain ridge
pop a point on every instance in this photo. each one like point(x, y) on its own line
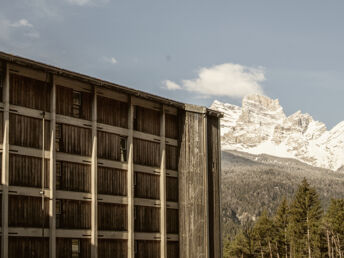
point(260, 126)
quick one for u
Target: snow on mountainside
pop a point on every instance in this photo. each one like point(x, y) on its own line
point(261, 127)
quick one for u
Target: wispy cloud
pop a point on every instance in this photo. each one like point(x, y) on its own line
point(17, 30)
point(170, 85)
point(231, 80)
point(87, 2)
point(110, 60)
point(22, 23)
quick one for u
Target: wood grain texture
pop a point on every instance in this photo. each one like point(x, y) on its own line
point(192, 195)
point(29, 93)
point(112, 181)
point(112, 112)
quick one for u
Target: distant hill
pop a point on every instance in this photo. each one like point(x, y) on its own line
point(251, 183)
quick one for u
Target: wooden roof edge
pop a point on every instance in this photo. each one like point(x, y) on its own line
point(99, 82)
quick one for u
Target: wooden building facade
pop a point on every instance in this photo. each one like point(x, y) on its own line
point(94, 169)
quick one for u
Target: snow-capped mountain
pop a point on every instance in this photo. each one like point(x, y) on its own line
point(261, 127)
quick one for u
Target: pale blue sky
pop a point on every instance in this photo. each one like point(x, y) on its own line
point(291, 50)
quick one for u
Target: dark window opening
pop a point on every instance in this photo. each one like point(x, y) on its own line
point(76, 112)
point(123, 143)
point(58, 137)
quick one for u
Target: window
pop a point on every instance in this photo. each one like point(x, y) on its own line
point(123, 143)
point(58, 207)
point(76, 104)
point(135, 246)
point(75, 248)
point(59, 211)
point(58, 137)
point(58, 174)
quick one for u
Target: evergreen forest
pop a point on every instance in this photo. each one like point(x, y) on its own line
point(299, 228)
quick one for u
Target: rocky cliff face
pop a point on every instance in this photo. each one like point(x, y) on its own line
point(261, 127)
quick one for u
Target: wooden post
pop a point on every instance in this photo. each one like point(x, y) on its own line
point(130, 179)
point(94, 190)
point(163, 229)
point(5, 164)
point(219, 184)
point(52, 177)
point(206, 186)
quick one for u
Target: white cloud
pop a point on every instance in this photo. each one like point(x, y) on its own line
point(16, 31)
point(170, 85)
point(22, 23)
point(231, 80)
point(87, 2)
point(110, 60)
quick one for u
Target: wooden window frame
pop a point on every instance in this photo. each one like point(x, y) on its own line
point(77, 104)
point(76, 253)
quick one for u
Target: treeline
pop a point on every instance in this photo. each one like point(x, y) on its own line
point(299, 228)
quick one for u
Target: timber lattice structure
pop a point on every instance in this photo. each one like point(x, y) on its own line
point(90, 168)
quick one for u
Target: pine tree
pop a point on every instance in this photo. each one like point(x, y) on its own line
point(281, 222)
point(265, 235)
point(304, 222)
point(243, 244)
point(334, 223)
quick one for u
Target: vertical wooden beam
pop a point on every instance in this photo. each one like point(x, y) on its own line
point(219, 191)
point(163, 228)
point(94, 188)
point(52, 169)
point(206, 186)
point(130, 179)
point(5, 164)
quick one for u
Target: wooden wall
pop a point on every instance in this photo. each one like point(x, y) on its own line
point(172, 157)
point(171, 126)
point(1, 125)
point(147, 120)
point(64, 103)
point(27, 131)
point(214, 174)
point(147, 219)
point(146, 153)
point(27, 171)
point(172, 249)
point(112, 181)
point(28, 247)
point(26, 211)
point(112, 217)
point(112, 248)
point(192, 191)
point(74, 215)
point(28, 92)
point(108, 146)
point(64, 248)
point(73, 176)
point(147, 249)
point(172, 221)
point(147, 186)
point(74, 140)
point(112, 112)
point(171, 189)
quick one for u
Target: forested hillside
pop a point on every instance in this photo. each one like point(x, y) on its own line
point(252, 184)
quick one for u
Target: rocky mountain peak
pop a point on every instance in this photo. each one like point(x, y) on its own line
point(260, 126)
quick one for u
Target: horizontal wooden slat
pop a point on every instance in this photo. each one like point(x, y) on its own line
point(73, 195)
point(29, 112)
point(73, 121)
point(74, 84)
point(145, 103)
point(34, 74)
point(27, 191)
point(112, 94)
